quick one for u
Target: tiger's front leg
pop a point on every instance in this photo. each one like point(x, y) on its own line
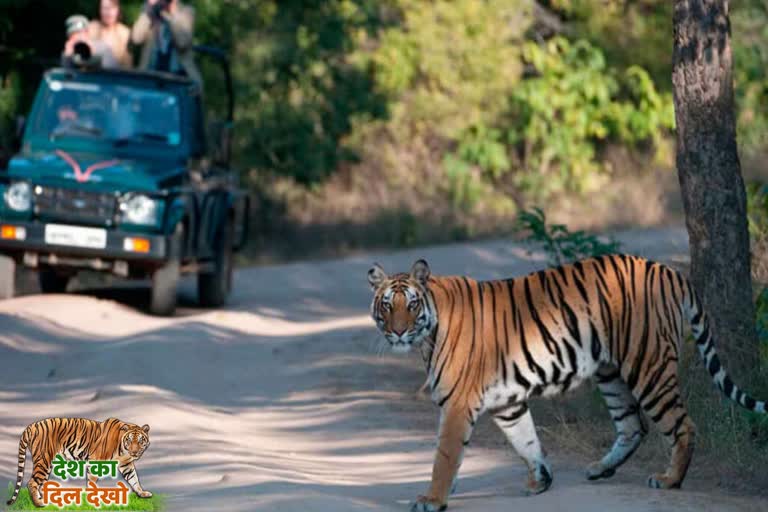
point(90, 477)
point(129, 473)
point(453, 435)
point(517, 424)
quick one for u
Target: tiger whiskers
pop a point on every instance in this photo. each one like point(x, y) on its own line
point(378, 345)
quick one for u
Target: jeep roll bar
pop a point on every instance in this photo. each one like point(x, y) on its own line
point(221, 57)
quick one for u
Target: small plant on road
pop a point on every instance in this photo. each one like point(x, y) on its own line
point(561, 244)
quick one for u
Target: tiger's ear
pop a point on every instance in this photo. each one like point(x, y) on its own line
point(420, 271)
point(376, 276)
point(125, 428)
point(145, 428)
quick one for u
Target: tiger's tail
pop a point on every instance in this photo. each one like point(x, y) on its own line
point(23, 443)
point(703, 335)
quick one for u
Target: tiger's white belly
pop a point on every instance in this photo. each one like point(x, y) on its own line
point(502, 394)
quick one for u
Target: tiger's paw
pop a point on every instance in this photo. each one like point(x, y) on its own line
point(427, 504)
point(144, 494)
point(662, 481)
point(539, 480)
point(596, 471)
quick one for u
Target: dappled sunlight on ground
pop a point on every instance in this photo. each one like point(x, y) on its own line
point(280, 401)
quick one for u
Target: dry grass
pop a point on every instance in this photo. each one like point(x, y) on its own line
point(398, 196)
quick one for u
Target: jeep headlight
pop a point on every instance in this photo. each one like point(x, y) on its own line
point(18, 197)
point(141, 210)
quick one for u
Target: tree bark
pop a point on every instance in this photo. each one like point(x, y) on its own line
point(710, 176)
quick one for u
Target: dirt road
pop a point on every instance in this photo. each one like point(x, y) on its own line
point(280, 402)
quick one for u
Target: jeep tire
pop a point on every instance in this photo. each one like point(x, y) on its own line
point(213, 287)
point(165, 280)
point(52, 281)
point(7, 277)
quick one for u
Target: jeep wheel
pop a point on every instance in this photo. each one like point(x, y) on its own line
point(7, 278)
point(165, 280)
point(213, 287)
point(51, 281)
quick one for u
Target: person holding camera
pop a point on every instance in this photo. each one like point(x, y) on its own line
point(112, 32)
point(166, 29)
point(81, 49)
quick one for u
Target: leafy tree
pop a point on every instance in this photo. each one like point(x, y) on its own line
point(572, 102)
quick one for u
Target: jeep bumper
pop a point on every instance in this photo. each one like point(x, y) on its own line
point(28, 239)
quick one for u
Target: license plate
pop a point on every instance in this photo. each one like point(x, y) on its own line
point(75, 236)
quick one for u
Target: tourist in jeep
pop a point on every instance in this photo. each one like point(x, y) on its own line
point(114, 34)
point(81, 49)
point(165, 28)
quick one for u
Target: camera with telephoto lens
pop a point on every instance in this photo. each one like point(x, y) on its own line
point(159, 7)
point(82, 53)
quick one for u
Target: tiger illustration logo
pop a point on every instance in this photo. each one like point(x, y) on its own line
point(489, 346)
point(80, 439)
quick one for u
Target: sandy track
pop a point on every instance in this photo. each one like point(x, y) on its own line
point(280, 402)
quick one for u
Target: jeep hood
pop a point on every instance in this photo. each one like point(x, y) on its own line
point(95, 171)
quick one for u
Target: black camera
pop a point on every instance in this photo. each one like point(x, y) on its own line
point(159, 7)
point(82, 53)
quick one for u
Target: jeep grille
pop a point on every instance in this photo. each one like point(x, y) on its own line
point(70, 205)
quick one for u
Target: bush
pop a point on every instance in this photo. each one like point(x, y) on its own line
point(561, 245)
point(572, 104)
point(750, 32)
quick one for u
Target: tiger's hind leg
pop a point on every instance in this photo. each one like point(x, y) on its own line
point(517, 424)
point(625, 412)
point(40, 472)
point(664, 406)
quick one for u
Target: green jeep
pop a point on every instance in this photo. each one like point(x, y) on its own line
point(115, 175)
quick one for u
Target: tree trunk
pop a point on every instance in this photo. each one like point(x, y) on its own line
point(710, 176)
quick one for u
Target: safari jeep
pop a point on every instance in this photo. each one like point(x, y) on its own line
point(115, 175)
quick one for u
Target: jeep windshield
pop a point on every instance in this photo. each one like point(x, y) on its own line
point(116, 114)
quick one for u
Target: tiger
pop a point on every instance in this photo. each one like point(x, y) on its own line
point(80, 439)
point(490, 346)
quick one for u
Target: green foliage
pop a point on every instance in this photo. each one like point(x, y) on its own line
point(574, 102)
point(299, 85)
point(750, 33)
point(449, 64)
point(463, 185)
point(561, 245)
point(761, 321)
point(9, 98)
point(757, 210)
point(629, 32)
point(482, 146)
point(757, 216)
point(24, 502)
point(557, 118)
point(480, 156)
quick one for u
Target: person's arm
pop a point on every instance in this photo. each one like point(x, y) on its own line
point(141, 29)
point(182, 24)
point(125, 57)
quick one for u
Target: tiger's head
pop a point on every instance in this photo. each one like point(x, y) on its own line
point(134, 440)
point(402, 306)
